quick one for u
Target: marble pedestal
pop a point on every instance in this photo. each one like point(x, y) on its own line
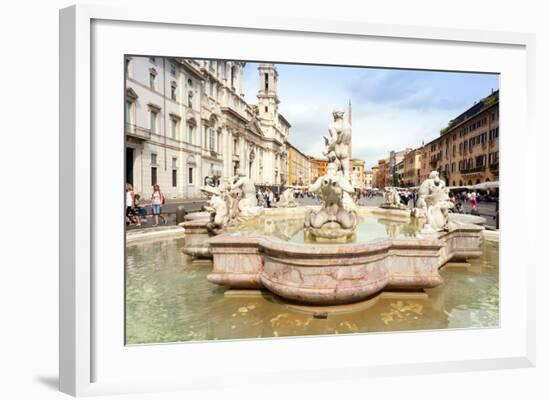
point(196, 239)
point(332, 274)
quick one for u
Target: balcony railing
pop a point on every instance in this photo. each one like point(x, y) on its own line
point(138, 132)
point(473, 170)
point(211, 153)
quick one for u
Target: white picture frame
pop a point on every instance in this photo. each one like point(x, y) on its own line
point(92, 363)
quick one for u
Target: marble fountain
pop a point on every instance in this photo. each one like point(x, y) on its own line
point(329, 254)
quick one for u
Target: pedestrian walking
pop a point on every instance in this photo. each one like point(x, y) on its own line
point(157, 201)
point(270, 198)
point(131, 216)
point(474, 203)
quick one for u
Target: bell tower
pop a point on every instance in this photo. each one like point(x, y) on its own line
point(268, 100)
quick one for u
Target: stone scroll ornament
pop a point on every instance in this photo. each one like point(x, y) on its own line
point(433, 204)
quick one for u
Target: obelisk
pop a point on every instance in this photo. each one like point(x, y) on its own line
point(349, 121)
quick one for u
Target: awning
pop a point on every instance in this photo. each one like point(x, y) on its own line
point(483, 186)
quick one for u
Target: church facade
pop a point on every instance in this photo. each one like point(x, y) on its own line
point(187, 119)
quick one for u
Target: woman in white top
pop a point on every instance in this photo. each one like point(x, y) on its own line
point(157, 200)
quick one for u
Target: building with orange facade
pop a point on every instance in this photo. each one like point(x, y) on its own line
point(467, 150)
point(382, 174)
point(374, 179)
point(318, 167)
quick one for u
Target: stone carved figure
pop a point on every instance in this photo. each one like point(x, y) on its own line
point(231, 199)
point(245, 191)
point(392, 199)
point(337, 145)
point(209, 181)
point(218, 207)
point(434, 204)
point(334, 220)
point(349, 202)
point(287, 199)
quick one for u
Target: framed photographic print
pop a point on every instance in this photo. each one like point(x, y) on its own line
point(279, 198)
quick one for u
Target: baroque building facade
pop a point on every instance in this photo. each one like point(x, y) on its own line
point(412, 163)
point(358, 173)
point(369, 179)
point(299, 167)
point(465, 153)
point(318, 167)
point(187, 119)
point(467, 150)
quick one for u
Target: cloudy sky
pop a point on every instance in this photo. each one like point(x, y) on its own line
point(392, 109)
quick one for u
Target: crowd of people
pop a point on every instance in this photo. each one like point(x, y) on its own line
point(266, 197)
point(459, 198)
point(136, 214)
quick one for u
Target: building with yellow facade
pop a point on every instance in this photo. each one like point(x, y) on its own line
point(358, 173)
point(412, 164)
point(298, 167)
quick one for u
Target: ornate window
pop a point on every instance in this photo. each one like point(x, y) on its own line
point(173, 90)
point(128, 67)
point(191, 124)
point(152, 78)
point(212, 134)
point(153, 117)
point(154, 111)
point(174, 126)
point(191, 170)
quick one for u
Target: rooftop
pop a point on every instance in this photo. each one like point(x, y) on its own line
point(478, 107)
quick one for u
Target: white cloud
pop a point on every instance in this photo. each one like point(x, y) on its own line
point(392, 110)
point(377, 128)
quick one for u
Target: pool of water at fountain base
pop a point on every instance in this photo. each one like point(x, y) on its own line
point(169, 299)
point(370, 228)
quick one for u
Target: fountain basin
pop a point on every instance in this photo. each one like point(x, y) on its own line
point(330, 274)
point(196, 238)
